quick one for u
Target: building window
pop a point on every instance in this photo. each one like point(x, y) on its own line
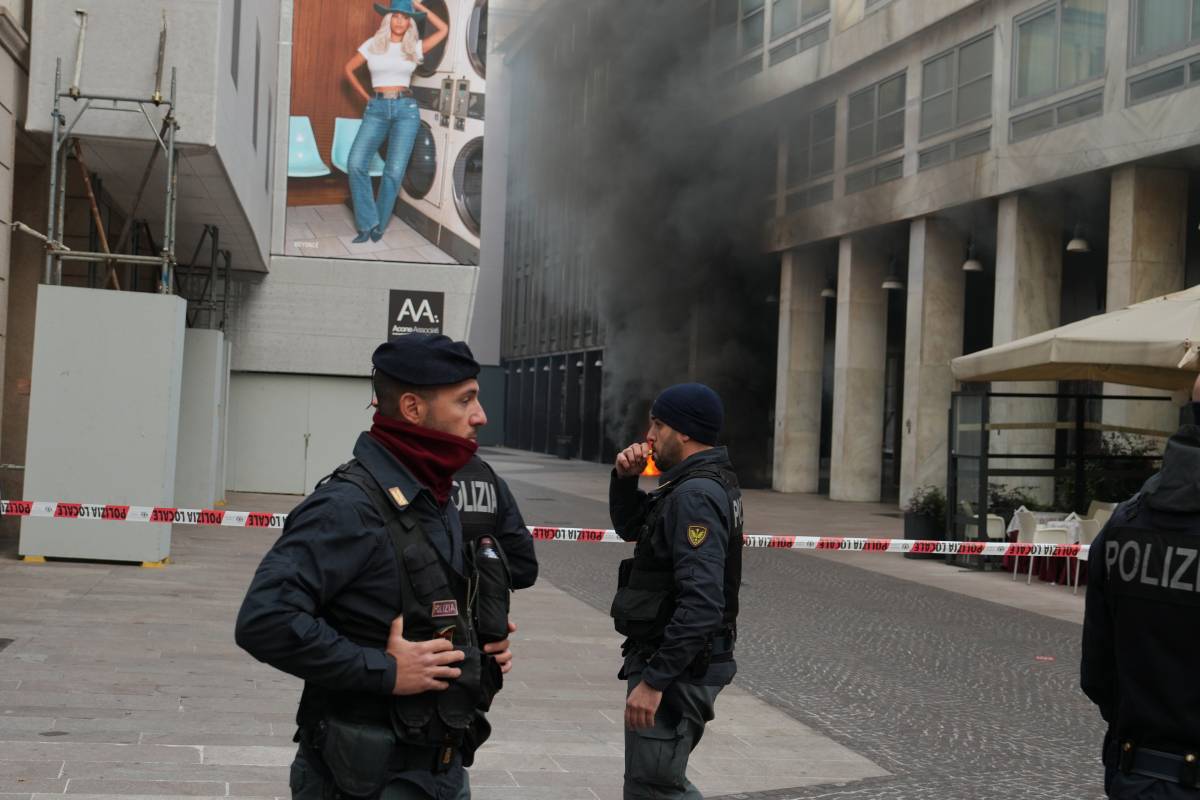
point(1163, 26)
point(237, 40)
point(805, 41)
point(787, 15)
point(810, 146)
point(874, 176)
point(751, 24)
point(969, 145)
point(956, 87)
point(1058, 46)
point(876, 122)
point(1076, 109)
point(807, 198)
point(1159, 82)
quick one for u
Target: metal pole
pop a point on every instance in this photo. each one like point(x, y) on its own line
point(51, 222)
point(1080, 499)
point(212, 271)
point(228, 258)
point(60, 222)
point(83, 18)
point(168, 251)
point(162, 53)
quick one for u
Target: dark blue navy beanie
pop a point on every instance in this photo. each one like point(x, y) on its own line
point(692, 409)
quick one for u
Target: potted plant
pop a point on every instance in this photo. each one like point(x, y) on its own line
point(925, 517)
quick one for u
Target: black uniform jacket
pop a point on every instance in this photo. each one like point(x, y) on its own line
point(323, 599)
point(699, 570)
point(1141, 629)
point(484, 506)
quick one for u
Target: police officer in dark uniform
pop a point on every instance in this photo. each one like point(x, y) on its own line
point(1141, 630)
point(677, 598)
point(398, 627)
point(486, 507)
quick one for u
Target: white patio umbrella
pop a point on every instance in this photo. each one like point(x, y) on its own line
point(1154, 344)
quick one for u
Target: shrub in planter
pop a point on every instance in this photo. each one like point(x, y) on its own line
point(925, 517)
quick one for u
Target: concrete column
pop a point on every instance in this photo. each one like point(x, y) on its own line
point(1147, 235)
point(201, 407)
point(798, 376)
point(933, 336)
point(1029, 253)
point(858, 378)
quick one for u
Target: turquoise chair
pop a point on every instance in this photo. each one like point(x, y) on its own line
point(303, 159)
point(344, 131)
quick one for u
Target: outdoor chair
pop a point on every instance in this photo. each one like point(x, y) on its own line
point(344, 131)
point(1026, 528)
point(1089, 529)
point(303, 159)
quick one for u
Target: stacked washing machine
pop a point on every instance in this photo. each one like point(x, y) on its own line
point(443, 188)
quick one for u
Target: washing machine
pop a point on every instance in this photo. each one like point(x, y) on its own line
point(442, 190)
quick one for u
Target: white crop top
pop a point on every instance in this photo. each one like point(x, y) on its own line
point(390, 68)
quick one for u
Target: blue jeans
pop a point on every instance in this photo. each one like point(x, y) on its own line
point(397, 121)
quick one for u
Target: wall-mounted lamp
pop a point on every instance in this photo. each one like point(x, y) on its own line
point(562, 367)
point(893, 282)
point(578, 365)
point(1078, 244)
point(830, 290)
point(972, 264)
point(599, 363)
point(546, 368)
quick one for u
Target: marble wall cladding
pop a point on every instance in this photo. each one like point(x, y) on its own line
point(934, 335)
point(1147, 234)
point(1029, 254)
point(858, 383)
point(798, 374)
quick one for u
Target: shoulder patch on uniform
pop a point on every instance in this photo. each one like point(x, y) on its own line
point(696, 535)
point(398, 497)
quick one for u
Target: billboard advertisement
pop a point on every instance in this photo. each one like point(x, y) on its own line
point(385, 146)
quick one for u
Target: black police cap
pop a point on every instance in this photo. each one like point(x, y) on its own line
point(426, 359)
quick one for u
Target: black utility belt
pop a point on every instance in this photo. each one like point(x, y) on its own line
point(1172, 767)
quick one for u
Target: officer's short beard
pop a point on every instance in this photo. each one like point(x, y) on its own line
point(666, 456)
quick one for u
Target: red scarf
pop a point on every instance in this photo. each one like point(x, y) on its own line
point(431, 456)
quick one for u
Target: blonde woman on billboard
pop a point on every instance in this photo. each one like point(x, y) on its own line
point(391, 114)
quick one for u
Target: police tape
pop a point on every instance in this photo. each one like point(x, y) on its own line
point(212, 517)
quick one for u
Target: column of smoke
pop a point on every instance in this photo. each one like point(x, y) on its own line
point(673, 196)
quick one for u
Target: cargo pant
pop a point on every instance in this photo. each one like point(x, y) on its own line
point(656, 758)
point(1139, 787)
point(308, 781)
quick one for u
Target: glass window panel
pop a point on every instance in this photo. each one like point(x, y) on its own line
point(936, 114)
point(798, 153)
point(1195, 71)
point(750, 6)
point(974, 101)
point(1081, 52)
point(1161, 25)
point(889, 171)
point(783, 52)
point(1086, 107)
point(1032, 125)
point(1142, 88)
point(813, 8)
point(784, 17)
point(891, 132)
point(891, 95)
point(1035, 56)
point(975, 143)
point(822, 158)
point(823, 123)
point(820, 194)
point(795, 201)
point(861, 143)
point(752, 31)
point(937, 75)
point(858, 181)
point(862, 107)
point(814, 37)
point(975, 60)
point(933, 157)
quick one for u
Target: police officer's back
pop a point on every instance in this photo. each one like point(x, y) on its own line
point(373, 598)
point(677, 598)
point(1141, 637)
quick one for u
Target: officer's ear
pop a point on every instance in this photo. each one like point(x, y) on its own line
point(412, 407)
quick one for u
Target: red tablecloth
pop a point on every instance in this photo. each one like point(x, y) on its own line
point(1050, 570)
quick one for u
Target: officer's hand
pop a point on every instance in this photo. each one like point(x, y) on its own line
point(501, 652)
point(421, 666)
point(640, 707)
point(632, 460)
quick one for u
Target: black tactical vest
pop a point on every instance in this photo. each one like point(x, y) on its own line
point(646, 591)
point(436, 603)
point(475, 497)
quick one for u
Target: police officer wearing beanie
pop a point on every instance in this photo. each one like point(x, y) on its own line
point(397, 626)
point(1141, 630)
point(677, 598)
